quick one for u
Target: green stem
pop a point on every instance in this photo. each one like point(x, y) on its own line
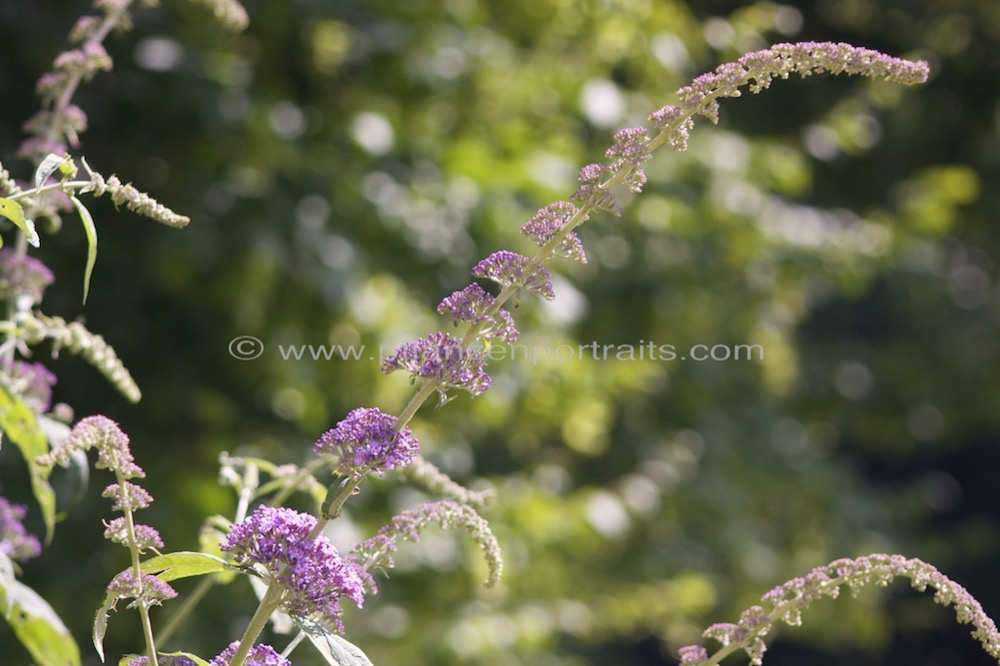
point(141, 602)
point(267, 606)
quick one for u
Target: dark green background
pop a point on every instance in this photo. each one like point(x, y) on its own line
point(847, 226)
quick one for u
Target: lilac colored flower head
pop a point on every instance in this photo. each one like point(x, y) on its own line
point(630, 150)
point(592, 192)
point(674, 120)
point(32, 382)
point(311, 573)
point(21, 275)
point(367, 439)
point(471, 305)
point(509, 268)
point(145, 536)
point(546, 223)
point(441, 357)
point(102, 433)
point(15, 542)
point(260, 655)
point(150, 588)
point(127, 497)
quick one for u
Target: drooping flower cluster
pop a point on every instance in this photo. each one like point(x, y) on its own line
point(103, 434)
point(21, 275)
point(260, 655)
point(366, 439)
point(509, 268)
point(15, 542)
point(442, 358)
point(787, 601)
point(378, 550)
point(546, 223)
point(311, 573)
point(471, 305)
point(75, 338)
point(32, 382)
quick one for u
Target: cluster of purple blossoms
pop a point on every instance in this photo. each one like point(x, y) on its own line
point(472, 305)
point(511, 269)
point(311, 573)
point(629, 151)
point(145, 536)
point(367, 439)
point(260, 655)
point(592, 192)
point(548, 221)
point(163, 660)
point(676, 122)
point(149, 588)
point(32, 382)
point(103, 434)
point(441, 358)
point(21, 275)
point(15, 542)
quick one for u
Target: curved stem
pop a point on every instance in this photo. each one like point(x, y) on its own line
point(267, 606)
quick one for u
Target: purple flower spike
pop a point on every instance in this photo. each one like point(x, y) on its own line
point(548, 221)
point(15, 542)
point(681, 126)
point(311, 572)
point(260, 655)
point(441, 357)
point(102, 433)
point(470, 305)
point(145, 536)
point(510, 268)
point(153, 590)
point(631, 149)
point(368, 439)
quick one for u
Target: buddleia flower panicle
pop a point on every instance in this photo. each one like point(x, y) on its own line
point(146, 537)
point(471, 304)
point(15, 542)
point(377, 551)
point(21, 275)
point(103, 434)
point(32, 382)
point(366, 439)
point(509, 268)
point(630, 150)
point(442, 358)
point(787, 601)
point(311, 573)
point(149, 588)
point(136, 201)
point(260, 655)
point(592, 192)
point(546, 223)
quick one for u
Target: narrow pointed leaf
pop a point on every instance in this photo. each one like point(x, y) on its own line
point(101, 623)
point(183, 564)
point(48, 167)
point(91, 231)
point(38, 628)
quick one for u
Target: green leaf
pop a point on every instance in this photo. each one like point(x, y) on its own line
point(48, 167)
point(34, 622)
point(183, 564)
point(13, 212)
point(101, 622)
point(336, 650)
point(91, 231)
point(18, 421)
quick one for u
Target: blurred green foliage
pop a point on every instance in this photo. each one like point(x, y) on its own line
point(345, 164)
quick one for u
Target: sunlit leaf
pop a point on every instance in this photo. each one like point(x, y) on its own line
point(91, 231)
point(335, 649)
point(183, 565)
point(13, 212)
point(18, 422)
point(36, 625)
